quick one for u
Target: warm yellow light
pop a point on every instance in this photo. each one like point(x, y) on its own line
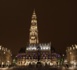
point(73, 48)
point(70, 52)
point(76, 46)
point(51, 64)
point(4, 52)
point(0, 47)
point(70, 48)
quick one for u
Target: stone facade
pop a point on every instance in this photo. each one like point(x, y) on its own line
point(35, 51)
point(72, 55)
point(5, 56)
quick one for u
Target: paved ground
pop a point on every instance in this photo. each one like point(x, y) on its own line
point(36, 68)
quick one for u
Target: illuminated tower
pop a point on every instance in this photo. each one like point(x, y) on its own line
point(33, 38)
point(35, 51)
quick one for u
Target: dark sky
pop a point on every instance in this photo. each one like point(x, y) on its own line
point(57, 22)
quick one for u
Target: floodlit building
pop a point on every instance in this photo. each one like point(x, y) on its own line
point(72, 55)
point(35, 51)
point(5, 56)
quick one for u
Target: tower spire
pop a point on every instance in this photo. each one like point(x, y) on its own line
point(34, 11)
point(33, 38)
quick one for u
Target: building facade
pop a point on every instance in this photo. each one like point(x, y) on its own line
point(5, 56)
point(71, 53)
point(35, 51)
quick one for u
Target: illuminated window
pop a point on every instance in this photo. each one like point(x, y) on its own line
point(73, 48)
point(0, 47)
point(76, 46)
point(70, 52)
point(31, 48)
point(44, 48)
point(4, 52)
point(70, 48)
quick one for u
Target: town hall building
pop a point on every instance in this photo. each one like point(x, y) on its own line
point(35, 51)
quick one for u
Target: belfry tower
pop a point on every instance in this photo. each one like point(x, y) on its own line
point(33, 37)
point(34, 51)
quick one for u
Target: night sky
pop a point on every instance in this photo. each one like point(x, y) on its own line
point(57, 23)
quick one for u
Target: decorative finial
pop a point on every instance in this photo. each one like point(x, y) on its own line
point(34, 11)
